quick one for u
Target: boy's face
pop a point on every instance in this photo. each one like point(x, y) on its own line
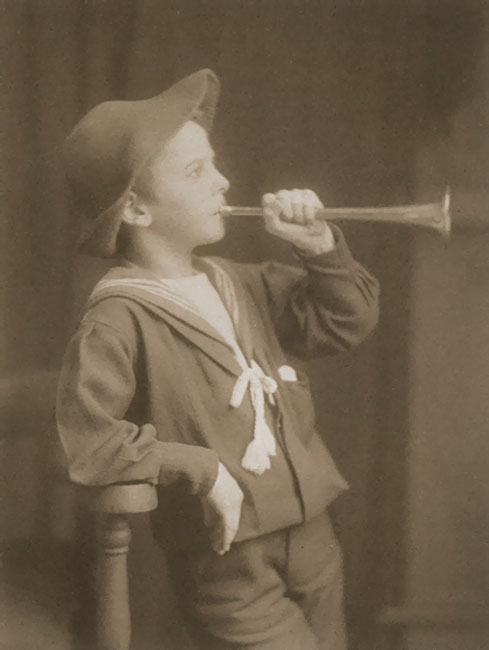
point(182, 190)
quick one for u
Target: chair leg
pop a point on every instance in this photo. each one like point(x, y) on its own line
point(113, 612)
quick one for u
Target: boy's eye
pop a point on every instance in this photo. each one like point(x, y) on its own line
point(195, 172)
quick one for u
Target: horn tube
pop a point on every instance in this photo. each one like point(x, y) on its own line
point(432, 216)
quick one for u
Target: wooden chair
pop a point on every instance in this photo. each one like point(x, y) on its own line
point(49, 503)
point(113, 505)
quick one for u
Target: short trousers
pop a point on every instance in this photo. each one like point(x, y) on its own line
point(280, 591)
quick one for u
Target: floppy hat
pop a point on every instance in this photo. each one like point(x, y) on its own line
point(108, 147)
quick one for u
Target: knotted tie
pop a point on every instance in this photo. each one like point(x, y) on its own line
point(263, 446)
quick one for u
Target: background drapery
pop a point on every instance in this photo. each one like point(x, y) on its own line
point(339, 97)
point(325, 94)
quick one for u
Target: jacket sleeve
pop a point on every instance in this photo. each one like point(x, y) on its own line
point(96, 387)
point(327, 306)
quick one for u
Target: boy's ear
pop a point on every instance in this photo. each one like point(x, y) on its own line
point(135, 213)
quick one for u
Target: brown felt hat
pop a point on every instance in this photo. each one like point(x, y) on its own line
point(110, 145)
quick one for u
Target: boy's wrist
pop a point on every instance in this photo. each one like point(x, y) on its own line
point(196, 465)
point(323, 244)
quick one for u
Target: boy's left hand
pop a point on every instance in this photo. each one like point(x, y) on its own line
point(290, 215)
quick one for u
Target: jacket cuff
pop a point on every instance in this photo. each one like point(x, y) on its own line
point(197, 466)
point(338, 257)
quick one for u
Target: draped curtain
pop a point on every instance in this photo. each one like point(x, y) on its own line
point(315, 93)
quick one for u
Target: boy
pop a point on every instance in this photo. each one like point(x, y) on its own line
point(177, 374)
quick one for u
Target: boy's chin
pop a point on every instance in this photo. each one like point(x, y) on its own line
point(214, 236)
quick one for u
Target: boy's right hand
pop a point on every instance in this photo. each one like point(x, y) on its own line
point(222, 510)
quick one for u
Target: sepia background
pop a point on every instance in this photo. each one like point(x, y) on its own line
point(367, 103)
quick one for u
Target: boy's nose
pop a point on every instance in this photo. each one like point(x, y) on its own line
point(222, 182)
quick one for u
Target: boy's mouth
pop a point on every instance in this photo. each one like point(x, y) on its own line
point(221, 212)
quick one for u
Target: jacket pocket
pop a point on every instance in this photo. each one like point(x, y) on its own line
point(298, 406)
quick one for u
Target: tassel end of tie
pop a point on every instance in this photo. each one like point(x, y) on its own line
point(256, 459)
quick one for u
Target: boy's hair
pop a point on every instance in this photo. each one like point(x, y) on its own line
point(110, 145)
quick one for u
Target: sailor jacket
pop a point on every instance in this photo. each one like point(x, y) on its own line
point(145, 388)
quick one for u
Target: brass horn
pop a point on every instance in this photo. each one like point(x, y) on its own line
point(433, 216)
